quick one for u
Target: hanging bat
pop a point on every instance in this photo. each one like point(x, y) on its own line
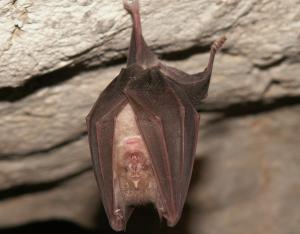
point(143, 131)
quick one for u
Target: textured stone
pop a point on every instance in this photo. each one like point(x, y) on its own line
point(56, 114)
point(247, 175)
point(49, 36)
point(50, 115)
point(45, 167)
point(76, 199)
point(245, 180)
point(55, 59)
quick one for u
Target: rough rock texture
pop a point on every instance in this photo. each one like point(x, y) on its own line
point(250, 182)
point(57, 56)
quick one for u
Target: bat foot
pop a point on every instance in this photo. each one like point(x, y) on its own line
point(218, 44)
point(131, 5)
point(118, 221)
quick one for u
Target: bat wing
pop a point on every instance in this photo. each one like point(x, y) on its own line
point(195, 85)
point(101, 125)
point(163, 100)
point(168, 123)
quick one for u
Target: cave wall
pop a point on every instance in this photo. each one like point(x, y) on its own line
point(57, 56)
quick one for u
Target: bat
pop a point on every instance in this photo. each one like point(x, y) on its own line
point(143, 131)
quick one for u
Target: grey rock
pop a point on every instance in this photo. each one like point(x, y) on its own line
point(40, 37)
point(57, 57)
point(52, 115)
point(46, 167)
point(76, 200)
point(245, 180)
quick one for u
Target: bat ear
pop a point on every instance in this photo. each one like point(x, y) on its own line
point(139, 52)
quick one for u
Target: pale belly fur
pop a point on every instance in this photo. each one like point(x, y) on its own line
point(134, 180)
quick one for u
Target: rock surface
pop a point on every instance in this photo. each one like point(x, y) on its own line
point(245, 180)
point(55, 59)
point(248, 183)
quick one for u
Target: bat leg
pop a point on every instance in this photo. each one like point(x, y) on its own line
point(213, 50)
point(195, 85)
point(131, 6)
point(139, 52)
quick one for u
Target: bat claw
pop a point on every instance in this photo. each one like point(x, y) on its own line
point(218, 44)
point(213, 50)
point(118, 222)
point(118, 213)
point(131, 5)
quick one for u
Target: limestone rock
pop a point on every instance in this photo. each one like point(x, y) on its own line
point(56, 57)
point(245, 180)
point(76, 200)
point(40, 37)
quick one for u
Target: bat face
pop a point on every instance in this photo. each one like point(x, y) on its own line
point(143, 132)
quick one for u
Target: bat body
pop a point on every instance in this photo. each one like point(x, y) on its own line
point(143, 132)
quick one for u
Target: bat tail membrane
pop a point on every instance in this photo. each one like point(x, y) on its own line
point(139, 52)
point(196, 85)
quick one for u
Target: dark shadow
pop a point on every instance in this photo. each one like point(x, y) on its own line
point(145, 219)
point(251, 107)
point(185, 53)
point(35, 83)
point(271, 64)
point(199, 171)
point(48, 227)
point(30, 86)
point(35, 152)
point(36, 188)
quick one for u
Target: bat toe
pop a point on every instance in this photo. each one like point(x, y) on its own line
point(218, 43)
point(117, 222)
point(131, 5)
